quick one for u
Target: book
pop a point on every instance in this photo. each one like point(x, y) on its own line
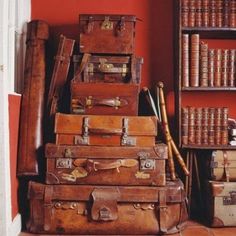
point(194, 63)
point(231, 68)
point(224, 67)
point(185, 60)
point(205, 13)
point(211, 67)
point(198, 14)
point(224, 126)
point(217, 126)
point(226, 13)
point(212, 13)
point(211, 124)
point(203, 64)
point(198, 126)
point(204, 134)
point(217, 67)
point(191, 14)
point(219, 13)
point(232, 13)
point(184, 125)
point(191, 125)
point(184, 12)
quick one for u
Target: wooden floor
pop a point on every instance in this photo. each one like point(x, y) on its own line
point(192, 229)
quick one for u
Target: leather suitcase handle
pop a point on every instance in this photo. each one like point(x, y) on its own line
point(110, 102)
point(98, 165)
point(104, 131)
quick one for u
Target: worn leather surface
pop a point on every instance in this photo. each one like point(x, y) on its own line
point(32, 106)
point(105, 165)
point(131, 210)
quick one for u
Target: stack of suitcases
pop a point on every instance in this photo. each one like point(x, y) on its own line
point(105, 173)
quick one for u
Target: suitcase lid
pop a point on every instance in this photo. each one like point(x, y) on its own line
point(102, 17)
point(98, 124)
point(71, 151)
point(173, 192)
point(223, 189)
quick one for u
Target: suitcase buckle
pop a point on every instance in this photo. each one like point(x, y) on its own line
point(107, 24)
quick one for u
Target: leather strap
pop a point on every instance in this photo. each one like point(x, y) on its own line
point(226, 165)
point(83, 64)
point(48, 207)
point(162, 211)
point(104, 206)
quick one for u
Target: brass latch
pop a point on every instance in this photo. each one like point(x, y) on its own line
point(107, 24)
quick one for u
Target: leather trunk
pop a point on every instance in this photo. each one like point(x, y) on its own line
point(112, 34)
point(111, 69)
point(222, 165)
point(97, 130)
point(221, 203)
point(75, 210)
point(104, 98)
point(106, 165)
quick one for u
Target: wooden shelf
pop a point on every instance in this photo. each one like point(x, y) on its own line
point(210, 29)
point(207, 89)
point(200, 147)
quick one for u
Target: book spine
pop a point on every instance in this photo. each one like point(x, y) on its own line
point(218, 122)
point(224, 126)
point(198, 15)
point(203, 64)
point(198, 126)
point(204, 126)
point(191, 126)
point(211, 56)
point(184, 12)
point(232, 13)
point(185, 60)
point(205, 13)
point(194, 65)
point(217, 72)
point(184, 125)
point(224, 67)
point(211, 124)
point(219, 13)
point(226, 13)
point(231, 68)
point(212, 13)
point(192, 13)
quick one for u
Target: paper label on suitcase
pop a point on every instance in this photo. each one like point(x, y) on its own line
point(106, 166)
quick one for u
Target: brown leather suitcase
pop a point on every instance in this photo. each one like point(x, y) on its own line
point(107, 33)
point(221, 203)
point(32, 105)
point(104, 98)
point(97, 130)
point(222, 165)
point(106, 165)
point(110, 69)
point(74, 210)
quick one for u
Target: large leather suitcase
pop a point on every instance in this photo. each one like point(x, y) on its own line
point(74, 210)
point(97, 130)
point(104, 68)
point(32, 105)
point(104, 98)
point(107, 33)
point(106, 165)
point(221, 203)
point(222, 165)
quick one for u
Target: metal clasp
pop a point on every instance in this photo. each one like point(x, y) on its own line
point(64, 163)
point(84, 140)
point(126, 140)
point(107, 24)
point(146, 163)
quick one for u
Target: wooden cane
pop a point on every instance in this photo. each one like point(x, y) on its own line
point(174, 148)
point(166, 131)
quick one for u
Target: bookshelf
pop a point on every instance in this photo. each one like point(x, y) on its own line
point(219, 34)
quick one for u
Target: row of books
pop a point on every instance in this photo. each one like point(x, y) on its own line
point(206, 67)
point(208, 13)
point(204, 126)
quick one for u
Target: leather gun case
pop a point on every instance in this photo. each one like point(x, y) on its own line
point(97, 130)
point(112, 34)
point(106, 165)
point(75, 210)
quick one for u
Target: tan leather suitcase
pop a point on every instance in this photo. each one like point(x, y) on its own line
point(104, 98)
point(75, 210)
point(221, 203)
point(106, 165)
point(97, 130)
point(222, 165)
point(112, 34)
point(107, 69)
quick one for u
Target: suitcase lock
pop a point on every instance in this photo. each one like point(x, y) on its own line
point(107, 24)
point(231, 199)
point(146, 163)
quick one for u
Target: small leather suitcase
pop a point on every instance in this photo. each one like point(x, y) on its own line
point(221, 203)
point(112, 34)
point(222, 165)
point(97, 130)
point(75, 210)
point(104, 98)
point(108, 69)
point(106, 165)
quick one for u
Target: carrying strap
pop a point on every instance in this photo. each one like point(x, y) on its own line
point(83, 64)
point(226, 165)
point(162, 211)
point(48, 207)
